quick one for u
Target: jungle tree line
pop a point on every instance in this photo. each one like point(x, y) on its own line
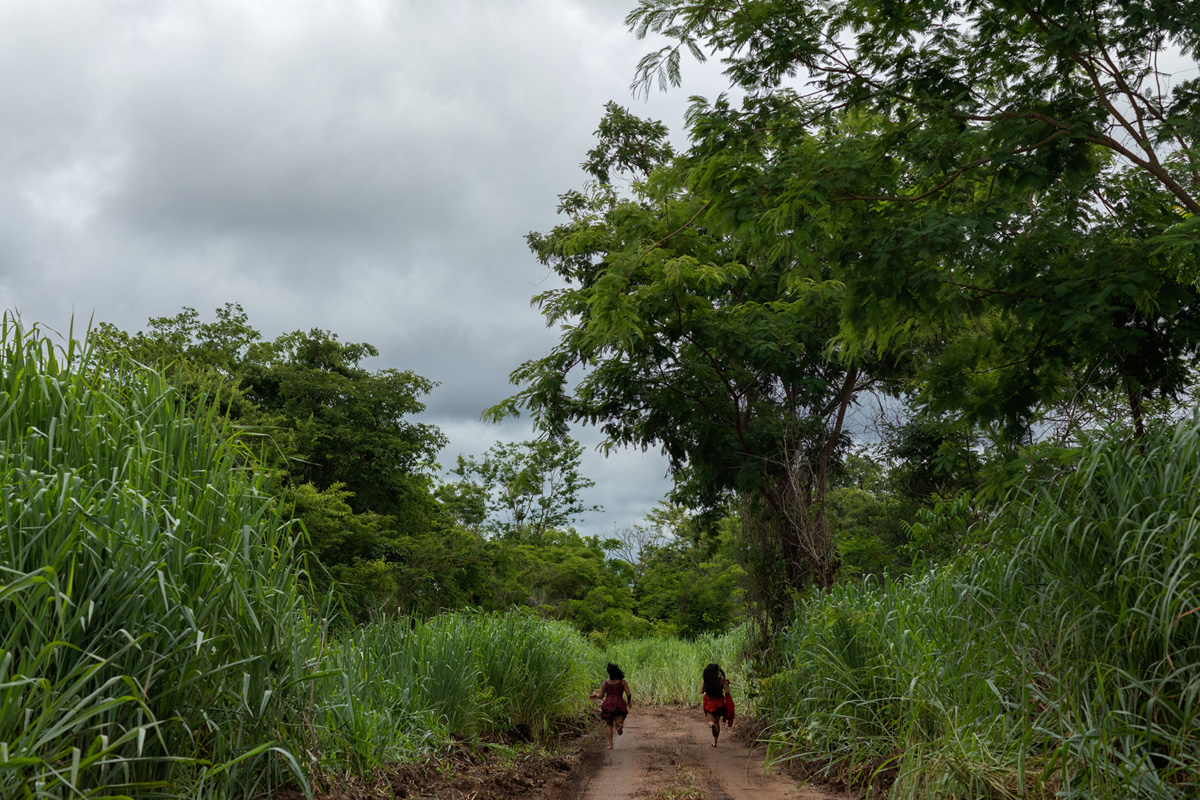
point(984, 210)
point(382, 530)
point(981, 212)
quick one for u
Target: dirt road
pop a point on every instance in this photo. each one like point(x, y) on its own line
point(667, 754)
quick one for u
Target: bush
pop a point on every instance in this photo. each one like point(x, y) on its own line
point(403, 688)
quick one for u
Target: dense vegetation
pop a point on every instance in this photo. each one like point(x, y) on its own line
point(377, 524)
point(980, 218)
point(227, 563)
point(155, 640)
point(161, 639)
point(1065, 656)
point(151, 625)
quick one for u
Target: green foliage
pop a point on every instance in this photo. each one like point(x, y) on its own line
point(349, 424)
point(402, 688)
point(1108, 572)
point(152, 632)
point(666, 670)
point(352, 469)
point(566, 576)
point(691, 595)
point(688, 585)
point(335, 421)
point(1063, 658)
point(1036, 82)
point(626, 143)
point(520, 489)
point(1007, 188)
point(696, 340)
point(870, 513)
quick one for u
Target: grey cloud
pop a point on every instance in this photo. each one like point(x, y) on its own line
point(366, 168)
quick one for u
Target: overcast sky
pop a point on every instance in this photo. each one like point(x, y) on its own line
point(368, 167)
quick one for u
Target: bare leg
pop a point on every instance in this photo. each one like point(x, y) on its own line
point(619, 724)
point(715, 725)
point(608, 729)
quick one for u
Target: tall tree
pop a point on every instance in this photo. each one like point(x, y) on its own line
point(689, 336)
point(1028, 174)
point(521, 489)
point(336, 421)
point(350, 463)
point(350, 425)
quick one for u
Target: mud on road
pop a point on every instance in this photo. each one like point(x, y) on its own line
point(665, 753)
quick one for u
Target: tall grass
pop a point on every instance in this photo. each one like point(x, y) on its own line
point(1063, 661)
point(154, 641)
point(1110, 573)
point(665, 671)
point(406, 687)
point(149, 623)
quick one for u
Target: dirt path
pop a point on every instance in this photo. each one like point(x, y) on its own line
point(667, 754)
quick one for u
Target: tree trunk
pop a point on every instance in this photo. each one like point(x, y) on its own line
point(1135, 410)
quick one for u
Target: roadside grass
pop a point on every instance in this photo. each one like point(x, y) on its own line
point(403, 688)
point(149, 623)
point(1061, 661)
point(155, 640)
point(667, 671)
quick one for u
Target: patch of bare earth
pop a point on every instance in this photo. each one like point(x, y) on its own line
point(465, 773)
point(667, 754)
point(664, 754)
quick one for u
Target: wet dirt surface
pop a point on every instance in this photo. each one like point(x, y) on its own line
point(667, 754)
point(664, 754)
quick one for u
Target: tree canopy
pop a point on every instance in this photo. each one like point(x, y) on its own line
point(1020, 181)
point(520, 489)
point(691, 335)
point(349, 462)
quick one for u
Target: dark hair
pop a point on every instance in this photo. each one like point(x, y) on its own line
point(614, 673)
point(713, 685)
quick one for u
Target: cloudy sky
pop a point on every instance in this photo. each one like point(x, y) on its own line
point(368, 167)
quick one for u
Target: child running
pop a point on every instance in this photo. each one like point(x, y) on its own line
point(614, 707)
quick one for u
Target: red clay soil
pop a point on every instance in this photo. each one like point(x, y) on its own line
point(665, 753)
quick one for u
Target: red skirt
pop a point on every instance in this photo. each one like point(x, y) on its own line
point(613, 707)
point(719, 706)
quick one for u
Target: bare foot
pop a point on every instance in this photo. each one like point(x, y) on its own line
point(610, 747)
